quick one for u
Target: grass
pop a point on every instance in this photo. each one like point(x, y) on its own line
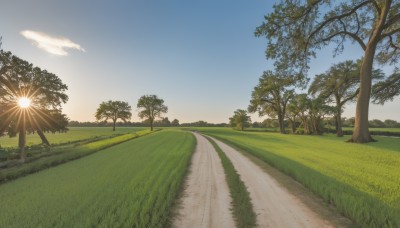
point(62, 154)
point(132, 184)
point(73, 135)
point(362, 181)
point(242, 208)
point(387, 129)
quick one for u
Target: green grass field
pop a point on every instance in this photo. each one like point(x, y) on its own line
point(74, 134)
point(361, 180)
point(377, 129)
point(131, 184)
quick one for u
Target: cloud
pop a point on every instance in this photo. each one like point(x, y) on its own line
point(51, 44)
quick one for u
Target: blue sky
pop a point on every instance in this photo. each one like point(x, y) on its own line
point(201, 57)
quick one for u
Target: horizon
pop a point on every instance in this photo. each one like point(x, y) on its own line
point(200, 57)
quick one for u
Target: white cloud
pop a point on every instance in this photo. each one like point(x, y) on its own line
point(51, 44)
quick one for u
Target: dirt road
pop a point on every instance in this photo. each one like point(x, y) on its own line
point(206, 199)
point(273, 204)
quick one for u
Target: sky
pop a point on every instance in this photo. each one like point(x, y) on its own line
point(201, 57)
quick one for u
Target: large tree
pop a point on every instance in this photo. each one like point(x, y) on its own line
point(151, 107)
point(271, 96)
point(30, 100)
point(339, 85)
point(114, 110)
point(297, 29)
point(240, 119)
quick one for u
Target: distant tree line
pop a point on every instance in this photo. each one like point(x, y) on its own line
point(164, 122)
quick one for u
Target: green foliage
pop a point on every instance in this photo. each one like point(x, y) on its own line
point(18, 78)
point(133, 184)
point(242, 208)
point(361, 180)
point(114, 110)
point(151, 107)
point(240, 119)
point(388, 89)
point(295, 30)
point(271, 96)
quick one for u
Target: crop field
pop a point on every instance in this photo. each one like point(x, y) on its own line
point(131, 184)
point(74, 134)
point(361, 180)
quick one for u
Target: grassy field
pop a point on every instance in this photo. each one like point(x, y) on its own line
point(74, 134)
point(132, 184)
point(60, 154)
point(376, 129)
point(361, 180)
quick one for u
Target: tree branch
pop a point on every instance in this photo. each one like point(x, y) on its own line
point(338, 17)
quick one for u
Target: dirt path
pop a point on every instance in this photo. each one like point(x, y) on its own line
point(206, 199)
point(273, 204)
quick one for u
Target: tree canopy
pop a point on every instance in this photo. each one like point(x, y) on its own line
point(240, 119)
point(271, 96)
point(151, 107)
point(114, 110)
point(296, 30)
point(45, 93)
point(388, 89)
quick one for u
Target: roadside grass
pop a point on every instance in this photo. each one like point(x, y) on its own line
point(242, 207)
point(132, 184)
point(62, 154)
point(361, 180)
point(73, 135)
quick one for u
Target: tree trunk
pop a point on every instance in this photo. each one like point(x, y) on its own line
point(306, 128)
point(22, 139)
point(339, 131)
point(281, 124)
point(292, 124)
point(43, 137)
point(151, 125)
point(361, 133)
point(114, 125)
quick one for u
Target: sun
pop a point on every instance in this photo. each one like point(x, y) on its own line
point(24, 102)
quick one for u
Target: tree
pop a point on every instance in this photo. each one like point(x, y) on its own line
point(271, 96)
point(317, 111)
point(41, 93)
point(240, 119)
point(113, 110)
point(340, 86)
point(165, 122)
point(391, 123)
point(302, 105)
point(386, 90)
point(292, 113)
point(175, 123)
point(297, 29)
point(151, 107)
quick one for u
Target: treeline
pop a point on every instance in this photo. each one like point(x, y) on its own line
point(328, 123)
point(164, 122)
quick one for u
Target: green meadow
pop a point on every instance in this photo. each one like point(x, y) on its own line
point(74, 134)
point(361, 180)
point(131, 184)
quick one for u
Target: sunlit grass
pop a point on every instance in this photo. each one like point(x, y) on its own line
point(74, 134)
point(132, 184)
point(363, 181)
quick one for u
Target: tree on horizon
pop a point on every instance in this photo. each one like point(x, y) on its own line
point(113, 110)
point(151, 107)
